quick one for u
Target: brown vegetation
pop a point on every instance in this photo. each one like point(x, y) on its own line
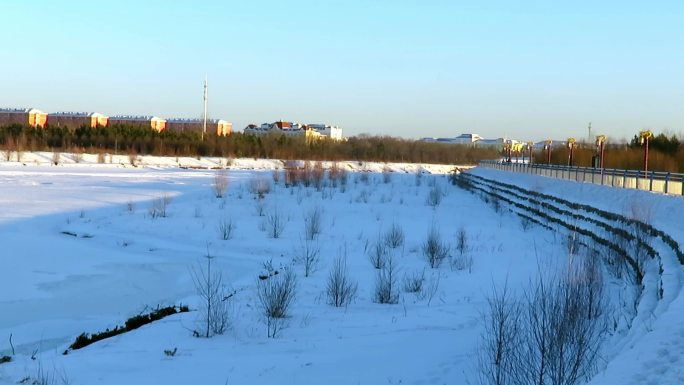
point(125, 139)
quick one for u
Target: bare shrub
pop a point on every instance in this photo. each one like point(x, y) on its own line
point(44, 376)
point(226, 227)
point(260, 207)
point(386, 287)
point(276, 294)
point(431, 287)
point(435, 196)
point(317, 175)
point(386, 174)
point(364, 176)
point(500, 338)
point(133, 158)
point(275, 223)
point(413, 283)
point(259, 186)
point(308, 254)
point(215, 312)
point(337, 175)
point(378, 254)
point(394, 237)
point(101, 156)
point(419, 176)
point(340, 289)
point(276, 176)
point(159, 206)
point(312, 223)
point(463, 260)
point(462, 241)
point(77, 155)
point(292, 174)
point(563, 326)
point(307, 174)
point(220, 184)
point(434, 249)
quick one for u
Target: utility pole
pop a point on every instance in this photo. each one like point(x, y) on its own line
point(204, 122)
point(589, 131)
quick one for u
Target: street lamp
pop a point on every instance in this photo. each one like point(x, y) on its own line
point(600, 145)
point(529, 148)
point(571, 147)
point(644, 137)
point(547, 147)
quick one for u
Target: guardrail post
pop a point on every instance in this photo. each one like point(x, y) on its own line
point(624, 179)
point(667, 182)
point(650, 184)
point(637, 180)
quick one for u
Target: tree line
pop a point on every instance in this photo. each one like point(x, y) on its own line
point(135, 139)
point(666, 154)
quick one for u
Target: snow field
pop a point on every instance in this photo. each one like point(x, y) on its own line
point(121, 261)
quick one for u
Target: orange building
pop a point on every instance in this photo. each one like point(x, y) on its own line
point(155, 123)
point(216, 126)
point(77, 119)
point(24, 116)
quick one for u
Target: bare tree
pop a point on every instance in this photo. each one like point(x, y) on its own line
point(276, 294)
point(313, 222)
point(275, 221)
point(215, 313)
point(499, 341)
point(340, 289)
point(563, 326)
point(434, 249)
point(220, 184)
point(463, 260)
point(308, 254)
point(378, 254)
point(386, 286)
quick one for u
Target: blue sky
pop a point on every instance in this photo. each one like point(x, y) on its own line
point(526, 69)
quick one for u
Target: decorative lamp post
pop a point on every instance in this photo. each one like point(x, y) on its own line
point(571, 148)
point(507, 153)
point(601, 145)
point(529, 148)
point(547, 147)
point(644, 137)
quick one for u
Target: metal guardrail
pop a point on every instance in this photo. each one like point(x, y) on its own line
point(663, 182)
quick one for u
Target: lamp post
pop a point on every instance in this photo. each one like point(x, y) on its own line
point(571, 148)
point(644, 137)
point(529, 148)
point(600, 145)
point(547, 147)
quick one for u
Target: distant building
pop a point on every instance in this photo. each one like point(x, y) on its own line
point(215, 126)
point(332, 132)
point(77, 119)
point(153, 122)
point(24, 116)
point(311, 131)
point(461, 139)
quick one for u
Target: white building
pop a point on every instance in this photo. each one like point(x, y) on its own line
point(332, 132)
point(295, 129)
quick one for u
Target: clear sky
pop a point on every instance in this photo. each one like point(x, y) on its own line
point(526, 69)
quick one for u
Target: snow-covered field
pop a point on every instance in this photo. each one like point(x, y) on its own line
point(122, 261)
